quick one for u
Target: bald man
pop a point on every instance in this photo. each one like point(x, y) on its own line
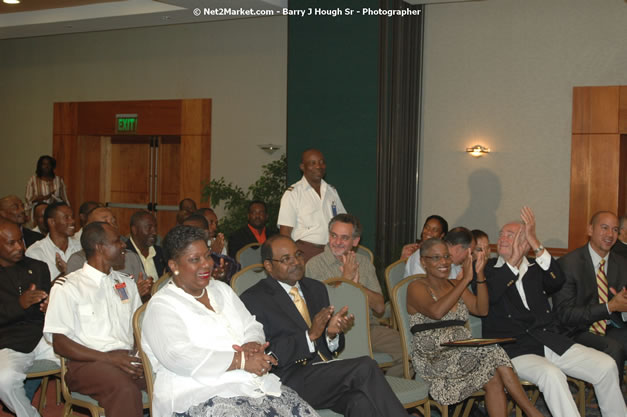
point(24, 288)
point(12, 209)
point(595, 316)
point(308, 205)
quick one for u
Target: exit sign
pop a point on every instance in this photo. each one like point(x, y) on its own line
point(125, 123)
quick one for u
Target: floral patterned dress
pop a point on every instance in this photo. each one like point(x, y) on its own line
point(454, 373)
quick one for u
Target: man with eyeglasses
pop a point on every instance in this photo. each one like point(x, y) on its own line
point(304, 331)
point(519, 291)
point(339, 260)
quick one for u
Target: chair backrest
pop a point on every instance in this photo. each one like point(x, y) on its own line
point(366, 252)
point(249, 254)
point(343, 292)
point(394, 273)
point(247, 277)
point(399, 305)
point(164, 279)
point(137, 332)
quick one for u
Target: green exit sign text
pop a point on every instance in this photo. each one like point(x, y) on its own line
point(125, 123)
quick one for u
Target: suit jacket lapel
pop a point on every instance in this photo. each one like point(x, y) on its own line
point(589, 278)
point(612, 273)
point(284, 301)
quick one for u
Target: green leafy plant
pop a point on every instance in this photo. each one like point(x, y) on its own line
point(268, 188)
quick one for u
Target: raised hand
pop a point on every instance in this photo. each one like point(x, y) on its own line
point(466, 272)
point(480, 262)
point(350, 267)
point(31, 296)
point(218, 243)
point(408, 250)
point(144, 285)
point(61, 264)
point(619, 301)
point(320, 321)
point(219, 270)
point(340, 322)
point(529, 220)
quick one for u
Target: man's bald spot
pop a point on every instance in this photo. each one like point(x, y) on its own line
point(595, 217)
point(98, 211)
point(5, 202)
point(302, 156)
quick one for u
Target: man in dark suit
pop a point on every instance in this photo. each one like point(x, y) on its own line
point(142, 242)
point(519, 307)
point(620, 247)
point(588, 308)
point(255, 231)
point(304, 332)
point(12, 209)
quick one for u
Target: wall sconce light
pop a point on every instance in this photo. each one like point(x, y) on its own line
point(478, 150)
point(270, 148)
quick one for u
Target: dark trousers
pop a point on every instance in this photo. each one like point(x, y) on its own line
point(115, 390)
point(614, 343)
point(352, 387)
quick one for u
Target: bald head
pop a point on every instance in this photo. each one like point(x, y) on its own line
point(104, 215)
point(603, 232)
point(11, 243)
point(313, 165)
point(12, 209)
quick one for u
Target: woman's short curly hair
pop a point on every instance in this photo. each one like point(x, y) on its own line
point(179, 238)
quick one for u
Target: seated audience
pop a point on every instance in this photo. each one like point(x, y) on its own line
point(89, 319)
point(45, 185)
point(308, 205)
point(224, 370)
point(143, 243)
point(519, 293)
point(439, 309)
point(256, 231)
point(187, 207)
point(224, 266)
point(132, 265)
point(620, 247)
point(593, 297)
point(217, 243)
point(12, 209)
point(458, 240)
point(303, 330)
point(38, 218)
point(57, 247)
point(339, 260)
point(482, 244)
point(24, 288)
point(435, 226)
point(83, 212)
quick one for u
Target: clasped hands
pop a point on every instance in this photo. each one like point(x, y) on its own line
point(127, 362)
point(525, 238)
point(257, 362)
point(334, 324)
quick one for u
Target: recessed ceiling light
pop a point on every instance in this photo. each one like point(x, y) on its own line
point(11, 1)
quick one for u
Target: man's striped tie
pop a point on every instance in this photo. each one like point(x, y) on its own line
point(600, 326)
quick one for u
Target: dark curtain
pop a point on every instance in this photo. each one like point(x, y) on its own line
point(398, 145)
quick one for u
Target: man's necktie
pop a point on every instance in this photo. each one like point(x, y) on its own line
point(600, 326)
point(300, 305)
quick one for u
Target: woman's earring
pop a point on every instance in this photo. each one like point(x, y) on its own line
point(176, 272)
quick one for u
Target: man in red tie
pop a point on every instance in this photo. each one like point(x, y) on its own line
point(593, 301)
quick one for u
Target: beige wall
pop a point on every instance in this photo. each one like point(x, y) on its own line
point(500, 73)
point(240, 64)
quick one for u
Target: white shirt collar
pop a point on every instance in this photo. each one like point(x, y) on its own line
point(596, 258)
point(288, 288)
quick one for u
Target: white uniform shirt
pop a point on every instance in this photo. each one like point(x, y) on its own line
point(45, 250)
point(413, 266)
point(309, 213)
point(190, 348)
point(85, 307)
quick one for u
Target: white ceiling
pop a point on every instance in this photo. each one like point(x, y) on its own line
point(122, 14)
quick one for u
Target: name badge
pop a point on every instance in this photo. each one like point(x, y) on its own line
point(334, 209)
point(121, 290)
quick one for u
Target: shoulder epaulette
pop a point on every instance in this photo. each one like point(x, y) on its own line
point(290, 188)
point(59, 281)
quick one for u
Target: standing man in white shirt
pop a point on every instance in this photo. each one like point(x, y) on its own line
point(308, 206)
point(56, 248)
point(89, 319)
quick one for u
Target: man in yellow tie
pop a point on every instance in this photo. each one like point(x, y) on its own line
point(304, 331)
point(593, 301)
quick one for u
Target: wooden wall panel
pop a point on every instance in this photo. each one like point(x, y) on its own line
point(595, 161)
point(88, 187)
point(622, 110)
point(595, 109)
point(190, 167)
point(622, 177)
point(65, 151)
point(196, 117)
point(65, 118)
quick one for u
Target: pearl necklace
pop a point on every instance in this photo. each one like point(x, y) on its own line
point(201, 294)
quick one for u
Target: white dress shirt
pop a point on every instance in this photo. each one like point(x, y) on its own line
point(191, 348)
point(86, 307)
point(45, 250)
point(309, 213)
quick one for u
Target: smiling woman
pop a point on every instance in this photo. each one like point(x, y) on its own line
point(225, 369)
